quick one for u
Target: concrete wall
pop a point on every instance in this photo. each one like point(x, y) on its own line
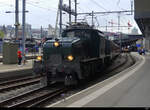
point(147, 44)
point(147, 37)
point(142, 17)
point(142, 8)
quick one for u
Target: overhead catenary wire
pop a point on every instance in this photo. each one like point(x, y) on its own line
point(4, 4)
point(43, 3)
point(48, 9)
point(96, 3)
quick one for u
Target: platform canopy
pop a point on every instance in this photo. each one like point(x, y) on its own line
point(142, 16)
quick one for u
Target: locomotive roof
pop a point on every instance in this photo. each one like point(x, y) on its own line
point(84, 29)
point(73, 29)
point(65, 39)
point(81, 26)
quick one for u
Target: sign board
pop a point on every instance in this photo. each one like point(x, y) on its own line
point(138, 45)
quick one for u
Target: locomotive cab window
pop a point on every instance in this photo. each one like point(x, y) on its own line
point(76, 33)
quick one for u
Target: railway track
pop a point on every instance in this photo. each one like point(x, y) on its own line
point(14, 88)
point(40, 96)
point(129, 61)
point(34, 98)
point(120, 65)
point(16, 80)
point(19, 83)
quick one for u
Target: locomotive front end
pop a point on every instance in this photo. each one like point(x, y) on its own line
point(60, 62)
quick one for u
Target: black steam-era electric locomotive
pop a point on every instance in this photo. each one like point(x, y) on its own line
point(78, 55)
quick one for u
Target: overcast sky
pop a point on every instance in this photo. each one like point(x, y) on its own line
point(43, 12)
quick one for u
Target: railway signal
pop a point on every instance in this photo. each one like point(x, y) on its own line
point(129, 25)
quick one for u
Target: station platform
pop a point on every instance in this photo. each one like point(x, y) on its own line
point(13, 71)
point(129, 88)
point(29, 56)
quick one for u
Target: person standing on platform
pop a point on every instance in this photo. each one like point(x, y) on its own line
point(19, 53)
point(143, 51)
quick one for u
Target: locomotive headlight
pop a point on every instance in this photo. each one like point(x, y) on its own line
point(39, 58)
point(56, 44)
point(70, 58)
